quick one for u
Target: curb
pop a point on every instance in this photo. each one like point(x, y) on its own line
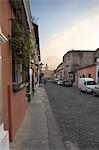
point(55, 139)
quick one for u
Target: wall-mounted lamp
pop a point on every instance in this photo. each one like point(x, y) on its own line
point(32, 62)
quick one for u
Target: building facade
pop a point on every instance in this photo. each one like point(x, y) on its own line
point(75, 59)
point(91, 71)
point(4, 137)
point(48, 74)
point(59, 72)
point(37, 57)
point(15, 72)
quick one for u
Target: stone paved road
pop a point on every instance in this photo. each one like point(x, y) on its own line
point(77, 115)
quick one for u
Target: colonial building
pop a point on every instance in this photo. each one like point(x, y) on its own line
point(54, 74)
point(47, 73)
point(91, 71)
point(15, 24)
point(75, 59)
point(59, 72)
point(4, 137)
point(37, 57)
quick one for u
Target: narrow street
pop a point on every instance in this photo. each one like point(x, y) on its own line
point(77, 115)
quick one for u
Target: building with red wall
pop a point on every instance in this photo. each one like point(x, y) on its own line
point(37, 59)
point(4, 136)
point(91, 71)
point(14, 103)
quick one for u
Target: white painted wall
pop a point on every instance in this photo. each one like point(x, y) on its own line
point(30, 83)
point(4, 138)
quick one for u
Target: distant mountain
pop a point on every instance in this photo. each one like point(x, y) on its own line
point(52, 62)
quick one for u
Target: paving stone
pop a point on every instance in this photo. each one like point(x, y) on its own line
point(56, 143)
point(77, 116)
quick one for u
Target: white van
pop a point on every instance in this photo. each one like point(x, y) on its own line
point(86, 84)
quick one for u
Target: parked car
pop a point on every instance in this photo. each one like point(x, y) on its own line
point(59, 82)
point(86, 84)
point(96, 90)
point(67, 83)
point(56, 80)
point(52, 81)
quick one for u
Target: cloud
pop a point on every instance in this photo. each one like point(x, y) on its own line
point(83, 35)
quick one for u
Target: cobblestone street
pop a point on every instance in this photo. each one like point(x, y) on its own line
point(77, 115)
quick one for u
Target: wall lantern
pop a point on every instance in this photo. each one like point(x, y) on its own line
point(32, 61)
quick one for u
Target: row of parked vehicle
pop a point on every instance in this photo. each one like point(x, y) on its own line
point(88, 85)
point(65, 83)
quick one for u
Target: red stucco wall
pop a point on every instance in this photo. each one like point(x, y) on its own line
point(87, 70)
point(17, 101)
point(18, 109)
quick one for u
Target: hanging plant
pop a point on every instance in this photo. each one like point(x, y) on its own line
point(16, 39)
point(28, 51)
point(21, 45)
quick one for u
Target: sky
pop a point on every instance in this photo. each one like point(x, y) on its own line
point(66, 25)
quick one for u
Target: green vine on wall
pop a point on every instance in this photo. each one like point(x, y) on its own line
point(16, 38)
point(28, 52)
point(21, 44)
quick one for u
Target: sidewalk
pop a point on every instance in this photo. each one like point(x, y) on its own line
point(39, 130)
